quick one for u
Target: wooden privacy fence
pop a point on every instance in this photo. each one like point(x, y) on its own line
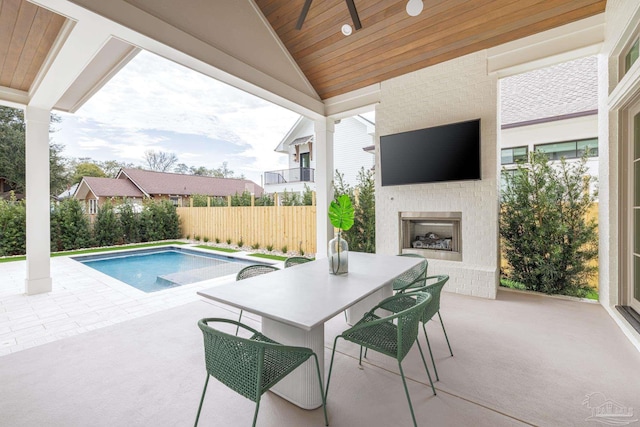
point(278, 226)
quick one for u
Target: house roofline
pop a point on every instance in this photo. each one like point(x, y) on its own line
point(122, 171)
point(550, 119)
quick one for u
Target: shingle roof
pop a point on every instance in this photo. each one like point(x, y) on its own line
point(567, 88)
point(174, 183)
point(109, 187)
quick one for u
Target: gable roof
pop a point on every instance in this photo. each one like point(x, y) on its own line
point(152, 182)
point(109, 187)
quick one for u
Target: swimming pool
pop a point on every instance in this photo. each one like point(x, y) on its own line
point(152, 270)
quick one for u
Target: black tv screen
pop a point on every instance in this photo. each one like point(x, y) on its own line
point(441, 153)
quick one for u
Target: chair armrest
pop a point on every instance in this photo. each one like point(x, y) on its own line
point(204, 323)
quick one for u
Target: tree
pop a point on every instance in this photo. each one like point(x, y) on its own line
point(13, 217)
point(181, 168)
point(69, 226)
point(86, 169)
point(12, 152)
point(160, 161)
point(547, 239)
point(130, 222)
point(243, 199)
point(107, 230)
point(307, 196)
point(112, 167)
point(364, 235)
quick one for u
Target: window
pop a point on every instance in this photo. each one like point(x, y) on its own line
point(631, 56)
point(569, 149)
point(176, 200)
point(513, 155)
point(93, 206)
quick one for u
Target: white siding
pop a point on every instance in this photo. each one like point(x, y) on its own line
point(348, 155)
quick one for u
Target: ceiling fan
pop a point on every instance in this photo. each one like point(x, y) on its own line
point(350, 4)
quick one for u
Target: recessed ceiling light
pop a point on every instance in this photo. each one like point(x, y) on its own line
point(414, 7)
point(347, 30)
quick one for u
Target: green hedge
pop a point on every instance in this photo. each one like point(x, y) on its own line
point(70, 227)
point(12, 227)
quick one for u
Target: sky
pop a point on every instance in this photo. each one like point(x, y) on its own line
point(155, 104)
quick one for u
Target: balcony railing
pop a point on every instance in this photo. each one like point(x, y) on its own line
point(284, 176)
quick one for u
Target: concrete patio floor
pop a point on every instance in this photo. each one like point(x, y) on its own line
point(82, 299)
point(519, 360)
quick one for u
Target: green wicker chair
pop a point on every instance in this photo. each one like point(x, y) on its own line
point(295, 260)
point(381, 334)
point(252, 271)
point(413, 277)
point(434, 289)
point(249, 366)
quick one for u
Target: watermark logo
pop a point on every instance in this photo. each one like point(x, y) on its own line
point(607, 411)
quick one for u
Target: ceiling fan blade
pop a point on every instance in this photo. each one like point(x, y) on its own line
point(303, 14)
point(354, 14)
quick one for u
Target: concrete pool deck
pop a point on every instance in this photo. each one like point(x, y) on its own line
point(82, 299)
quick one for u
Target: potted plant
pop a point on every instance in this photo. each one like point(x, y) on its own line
point(341, 215)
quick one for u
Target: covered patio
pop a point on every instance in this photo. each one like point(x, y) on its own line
point(519, 358)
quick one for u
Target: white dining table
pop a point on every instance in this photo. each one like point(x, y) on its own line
point(295, 302)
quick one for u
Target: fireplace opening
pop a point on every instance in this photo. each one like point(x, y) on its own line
point(434, 235)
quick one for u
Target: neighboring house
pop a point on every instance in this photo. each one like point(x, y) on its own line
point(69, 192)
point(138, 184)
point(554, 110)
point(351, 136)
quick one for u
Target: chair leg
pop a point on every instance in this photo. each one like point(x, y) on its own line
point(445, 333)
point(333, 353)
point(324, 399)
point(255, 415)
point(201, 400)
point(425, 367)
point(406, 390)
point(430, 353)
point(360, 360)
point(345, 316)
point(239, 319)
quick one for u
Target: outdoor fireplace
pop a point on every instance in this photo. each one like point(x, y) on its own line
point(435, 235)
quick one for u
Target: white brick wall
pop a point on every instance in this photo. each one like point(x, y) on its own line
point(457, 90)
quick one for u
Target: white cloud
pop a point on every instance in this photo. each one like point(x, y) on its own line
point(152, 97)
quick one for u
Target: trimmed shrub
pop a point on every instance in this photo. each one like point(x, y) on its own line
point(70, 228)
point(13, 219)
point(243, 199)
point(107, 230)
point(130, 222)
point(546, 237)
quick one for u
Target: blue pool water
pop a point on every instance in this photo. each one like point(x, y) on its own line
point(153, 270)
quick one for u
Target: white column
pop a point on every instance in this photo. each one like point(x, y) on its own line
point(37, 199)
point(323, 153)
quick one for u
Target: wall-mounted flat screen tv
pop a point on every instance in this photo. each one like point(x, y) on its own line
point(441, 153)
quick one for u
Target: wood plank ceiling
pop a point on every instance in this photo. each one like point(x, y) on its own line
point(392, 43)
point(27, 33)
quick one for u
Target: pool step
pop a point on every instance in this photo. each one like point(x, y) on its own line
point(199, 274)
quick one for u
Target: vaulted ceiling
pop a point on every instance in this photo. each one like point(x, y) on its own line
point(27, 33)
point(392, 43)
point(254, 44)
